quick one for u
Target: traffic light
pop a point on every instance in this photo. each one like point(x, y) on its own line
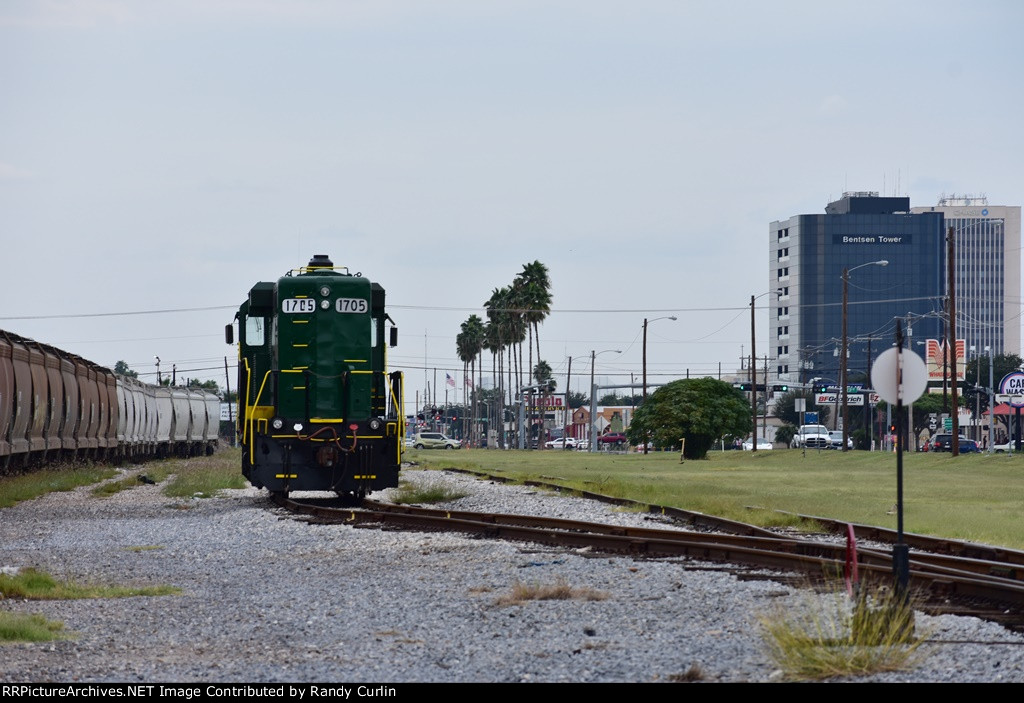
point(744, 386)
point(821, 389)
point(780, 388)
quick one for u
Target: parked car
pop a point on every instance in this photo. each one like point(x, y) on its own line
point(811, 437)
point(969, 446)
point(762, 443)
point(566, 443)
point(835, 439)
point(434, 440)
point(942, 442)
point(613, 440)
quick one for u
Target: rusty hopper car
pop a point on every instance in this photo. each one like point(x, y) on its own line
point(55, 406)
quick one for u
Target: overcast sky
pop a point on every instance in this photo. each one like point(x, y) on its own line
point(167, 156)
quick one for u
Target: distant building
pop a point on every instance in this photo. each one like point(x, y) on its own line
point(987, 252)
point(807, 255)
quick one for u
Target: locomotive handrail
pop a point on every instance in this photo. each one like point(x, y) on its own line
point(250, 420)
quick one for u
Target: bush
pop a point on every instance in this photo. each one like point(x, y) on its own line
point(784, 435)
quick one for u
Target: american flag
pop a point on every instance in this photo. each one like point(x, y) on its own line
point(450, 380)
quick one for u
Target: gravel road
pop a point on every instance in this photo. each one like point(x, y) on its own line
point(268, 598)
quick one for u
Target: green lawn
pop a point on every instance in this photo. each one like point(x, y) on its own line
point(972, 497)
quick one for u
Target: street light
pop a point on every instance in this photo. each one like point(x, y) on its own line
point(753, 373)
point(666, 317)
point(593, 399)
point(842, 355)
point(568, 414)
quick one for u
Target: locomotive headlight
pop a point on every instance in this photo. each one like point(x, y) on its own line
point(277, 423)
point(325, 304)
point(325, 291)
point(375, 424)
point(298, 427)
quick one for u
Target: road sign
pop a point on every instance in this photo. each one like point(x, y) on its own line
point(914, 372)
point(811, 418)
point(832, 398)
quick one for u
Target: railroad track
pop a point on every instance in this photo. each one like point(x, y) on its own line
point(943, 583)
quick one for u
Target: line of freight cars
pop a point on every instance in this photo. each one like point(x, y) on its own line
point(55, 406)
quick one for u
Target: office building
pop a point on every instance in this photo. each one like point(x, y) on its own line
point(807, 255)
point(987, 278)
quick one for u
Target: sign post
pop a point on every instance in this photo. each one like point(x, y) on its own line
point(899, 376)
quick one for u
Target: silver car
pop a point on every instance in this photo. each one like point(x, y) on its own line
point(434, 440)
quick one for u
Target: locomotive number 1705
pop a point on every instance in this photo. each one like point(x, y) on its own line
point(350, 305)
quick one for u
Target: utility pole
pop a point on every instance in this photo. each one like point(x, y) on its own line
point(951, 346)
point(753, 380)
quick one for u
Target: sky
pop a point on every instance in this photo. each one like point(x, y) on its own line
point(159, 159)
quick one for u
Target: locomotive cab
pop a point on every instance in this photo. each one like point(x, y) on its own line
point(320, 411)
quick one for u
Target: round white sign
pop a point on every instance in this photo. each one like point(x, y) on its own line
point(915, 375)
point(1013, 385)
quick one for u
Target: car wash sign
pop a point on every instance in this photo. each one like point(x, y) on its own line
point(1013, 385)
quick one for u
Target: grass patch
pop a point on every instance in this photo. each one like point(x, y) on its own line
point(204, 477)
point(834, 636)
point(973, 497)
point(14, 489)
point(559, 590)
point(30, 584)
point(430, 491)
point(143, 548)
point(23, 627)
point(155, 472)
point(195, 477)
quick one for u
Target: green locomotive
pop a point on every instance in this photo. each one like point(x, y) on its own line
point(317, 409)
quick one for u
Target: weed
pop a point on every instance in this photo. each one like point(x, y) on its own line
point(30, 584)
point(632, 508)
point(143, 548)
point(834, 636)
point(692, 674)
point(24, 627)
point(559, 590)
point(431, 491)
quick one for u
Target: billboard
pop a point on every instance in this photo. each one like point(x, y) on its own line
point(938, 361)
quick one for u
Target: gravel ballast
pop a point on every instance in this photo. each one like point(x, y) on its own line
point(269, 598)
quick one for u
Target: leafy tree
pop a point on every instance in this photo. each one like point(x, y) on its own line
point(121, 368)
point(701, 410)
point(785, 407)
point(976, 373)
point(614, 399)
point(578, 400)
point(203, 385)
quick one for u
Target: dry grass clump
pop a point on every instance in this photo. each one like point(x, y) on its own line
point(692, 674)
point(838, 636)
point(559, 590)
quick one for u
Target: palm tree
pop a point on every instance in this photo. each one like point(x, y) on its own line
point(473, 340)
point(535, 298)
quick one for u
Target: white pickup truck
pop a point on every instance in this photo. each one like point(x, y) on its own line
point(811, 437)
